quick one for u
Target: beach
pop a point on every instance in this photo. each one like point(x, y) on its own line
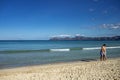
point(79, 70)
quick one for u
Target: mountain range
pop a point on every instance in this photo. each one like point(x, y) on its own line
point(86, 38)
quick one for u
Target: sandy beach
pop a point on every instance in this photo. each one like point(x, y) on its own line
point(80, 70)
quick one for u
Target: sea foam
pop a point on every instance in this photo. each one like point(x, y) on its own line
point(92, 48)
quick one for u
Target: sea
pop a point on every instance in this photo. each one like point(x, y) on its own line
point(19, 53)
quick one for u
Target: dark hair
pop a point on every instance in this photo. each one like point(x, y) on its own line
point(104, 44)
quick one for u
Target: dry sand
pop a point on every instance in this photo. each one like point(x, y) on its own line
point(94, 70)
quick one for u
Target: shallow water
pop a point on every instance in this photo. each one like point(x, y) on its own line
point(25, 53)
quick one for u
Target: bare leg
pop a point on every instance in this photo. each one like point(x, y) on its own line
point(101, 58)
point(104, 57)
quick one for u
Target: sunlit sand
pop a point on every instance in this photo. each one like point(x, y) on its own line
point(80, 70)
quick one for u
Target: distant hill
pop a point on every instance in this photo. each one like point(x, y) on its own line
point(86, 38)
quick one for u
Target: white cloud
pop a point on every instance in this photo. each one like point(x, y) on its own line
point(111, 26)
point(115, 27)
point(79, 35)
point(63, 35)
point(66, 35)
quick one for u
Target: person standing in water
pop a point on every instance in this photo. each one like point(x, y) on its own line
point(103, 53)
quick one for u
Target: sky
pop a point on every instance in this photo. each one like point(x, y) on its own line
point(42, 19)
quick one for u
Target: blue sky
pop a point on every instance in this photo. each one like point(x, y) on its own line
point(42, 19)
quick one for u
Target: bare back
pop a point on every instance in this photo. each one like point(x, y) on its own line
point(103, 49)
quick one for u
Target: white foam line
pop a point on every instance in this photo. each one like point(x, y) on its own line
point(91, 48)
point(113, 47)
point(59, 49)
point(100, 48)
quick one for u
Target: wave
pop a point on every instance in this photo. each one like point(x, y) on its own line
point(113, 47)
point(93, 48)
point(55, 50)
point(59, 49)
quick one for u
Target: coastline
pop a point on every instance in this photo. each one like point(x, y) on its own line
point(79, 70)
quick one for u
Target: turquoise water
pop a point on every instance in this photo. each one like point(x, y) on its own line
point(38, 52)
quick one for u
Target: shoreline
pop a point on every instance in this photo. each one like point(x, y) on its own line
point(83, 70)
point(55, 63)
